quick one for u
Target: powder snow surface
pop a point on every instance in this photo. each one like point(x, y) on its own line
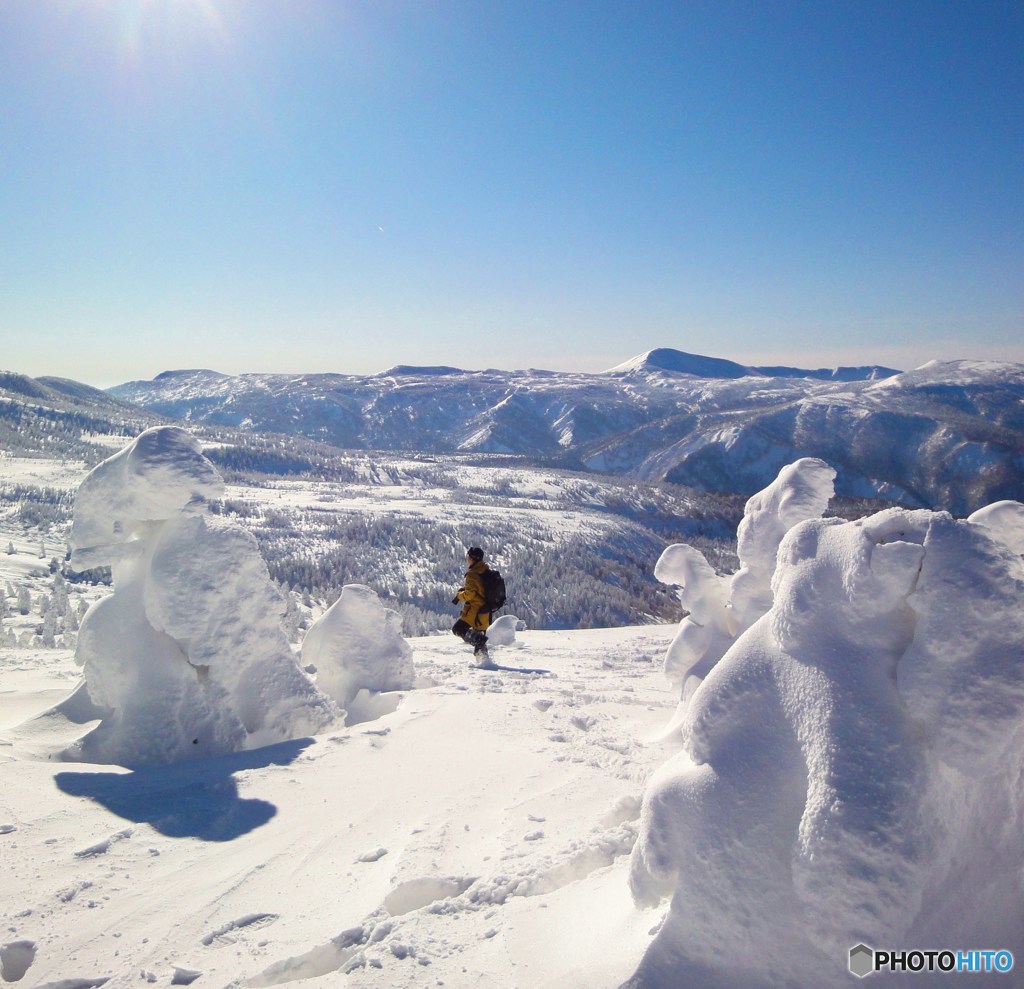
point(459, 838)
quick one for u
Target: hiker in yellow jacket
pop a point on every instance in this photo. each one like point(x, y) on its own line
point(473, 620)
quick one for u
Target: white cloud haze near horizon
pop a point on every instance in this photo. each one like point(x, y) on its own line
point(345, 187)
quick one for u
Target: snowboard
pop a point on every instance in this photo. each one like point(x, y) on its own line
point(497, 668)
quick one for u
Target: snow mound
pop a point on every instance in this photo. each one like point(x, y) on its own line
point(1006, 521)
point(851, 765)
point(187, 657)
point(357, 644)
point(503, 631)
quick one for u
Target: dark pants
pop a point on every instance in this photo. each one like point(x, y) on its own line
point(467, 633)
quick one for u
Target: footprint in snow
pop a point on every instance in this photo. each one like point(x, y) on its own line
point(418, 893)
point(184, 976)
point(67, 894)
point(102, 847)
point(252, 920)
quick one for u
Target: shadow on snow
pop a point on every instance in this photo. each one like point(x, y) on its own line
point(194, 799)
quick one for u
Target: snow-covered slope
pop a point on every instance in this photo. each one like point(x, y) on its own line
point(475, 836)
point(947, 435)
point(62, 418)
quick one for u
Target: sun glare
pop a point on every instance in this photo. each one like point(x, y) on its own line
point(143, 27)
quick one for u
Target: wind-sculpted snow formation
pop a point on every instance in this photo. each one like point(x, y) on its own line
point(357, 644)
point(851, 766)
point(187, 657)
point(720, 608)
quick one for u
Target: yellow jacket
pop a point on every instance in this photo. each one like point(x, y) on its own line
point(473, 597)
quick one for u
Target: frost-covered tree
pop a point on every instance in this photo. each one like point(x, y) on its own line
point(356, 645)
point(24, 604)
point(851, 766)
point(720, 608)
point(187, 657)
point(10, 549)
point(48, 634)
point(294, 620)
point(59, 595)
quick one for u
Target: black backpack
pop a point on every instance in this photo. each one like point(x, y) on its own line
point(494, 590)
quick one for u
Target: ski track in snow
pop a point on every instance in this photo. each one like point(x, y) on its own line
point(419, 852)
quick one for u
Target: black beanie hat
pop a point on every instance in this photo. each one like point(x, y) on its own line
point(475, 553)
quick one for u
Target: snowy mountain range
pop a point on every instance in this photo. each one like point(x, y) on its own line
point(396, 521)
point(947, 435)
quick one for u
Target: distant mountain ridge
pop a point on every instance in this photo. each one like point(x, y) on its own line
point(678, 362)
point(63, 418)
point(948, 435)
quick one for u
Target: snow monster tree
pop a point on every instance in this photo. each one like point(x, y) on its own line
point(187, 657)
point(851, 766)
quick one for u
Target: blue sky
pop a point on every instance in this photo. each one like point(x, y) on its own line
point(325, 185)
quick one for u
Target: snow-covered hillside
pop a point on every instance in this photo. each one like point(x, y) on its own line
point(58, 418)
point(948, 435)
point(401, 524)
point(841, 766)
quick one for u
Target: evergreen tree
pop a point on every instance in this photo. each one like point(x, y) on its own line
point(61, 604)
point(48, 636)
